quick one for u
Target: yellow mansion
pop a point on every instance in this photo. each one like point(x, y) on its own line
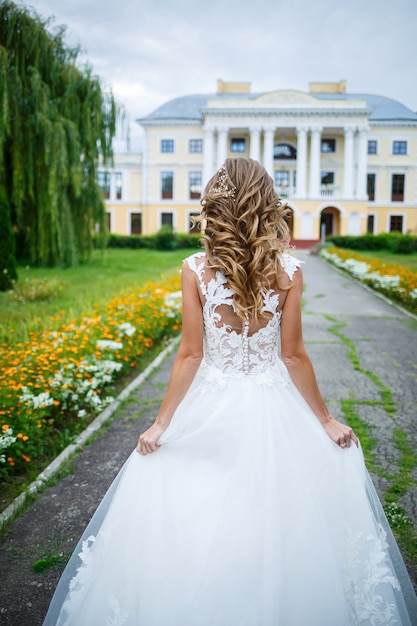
point(345, 163)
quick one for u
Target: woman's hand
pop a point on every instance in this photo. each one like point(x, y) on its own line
point(147, 442)
point(340, 434)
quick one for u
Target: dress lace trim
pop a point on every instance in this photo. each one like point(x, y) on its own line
point(228, 353)
point(367, 574)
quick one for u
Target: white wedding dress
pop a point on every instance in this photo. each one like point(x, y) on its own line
point(248, 514)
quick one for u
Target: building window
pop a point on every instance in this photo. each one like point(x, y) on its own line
point(327, 183)
point(167, 145)
point(103, 181)
point(118, 185)
point(371, 186)
point(238, 144)
point(397, 188)
point(108, 221)
point(399, 147)
point(282, 182)
point(370, 226)
point(282, 178)
point(167, 185)
point(195, 182)
point(396, 223)
point(327, 178)
point(372, 146)
point(284, 151)
point(193, 228)
point(328, 145)
point(195, 145)
point(136, 223)
point(167, 219)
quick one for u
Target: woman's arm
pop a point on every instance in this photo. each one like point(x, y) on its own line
point(186, 362)
point(298, 363)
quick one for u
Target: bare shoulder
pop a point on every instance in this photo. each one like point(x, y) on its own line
point(193, 261)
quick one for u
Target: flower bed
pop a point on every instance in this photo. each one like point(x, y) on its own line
point(53, 383)
point(395, 281)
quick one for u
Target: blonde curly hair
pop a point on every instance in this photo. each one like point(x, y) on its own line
point(245, 231)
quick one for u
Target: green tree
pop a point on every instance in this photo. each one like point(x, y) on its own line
point(56, 123)
point(7, 261)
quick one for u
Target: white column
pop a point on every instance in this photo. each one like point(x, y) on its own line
point(145, 172)
point(221, 146)
point(301, 162)
point(255, 145)
point(314, 191)
point(361, 186)
point(348, 165)
point(268, 156)
point(208, 168)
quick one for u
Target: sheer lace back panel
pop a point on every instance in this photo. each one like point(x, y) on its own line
point(233, 347)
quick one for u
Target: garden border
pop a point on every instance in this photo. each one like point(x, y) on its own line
point(45, 476)
point(376, 293)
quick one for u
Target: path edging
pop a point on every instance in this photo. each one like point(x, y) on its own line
point(369, 289)
point(42, 479)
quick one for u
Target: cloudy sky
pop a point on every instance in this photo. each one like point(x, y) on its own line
point(150, 51)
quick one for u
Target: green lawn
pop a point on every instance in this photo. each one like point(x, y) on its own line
point(83, 287)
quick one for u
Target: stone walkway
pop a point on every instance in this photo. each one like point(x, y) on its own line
point(362, 349)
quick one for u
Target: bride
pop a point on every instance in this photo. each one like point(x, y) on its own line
point(246, 503)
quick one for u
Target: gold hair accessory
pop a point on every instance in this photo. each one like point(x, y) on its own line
point(222, 185)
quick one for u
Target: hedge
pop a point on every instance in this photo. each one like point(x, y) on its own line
point(394, 242)
point(164, 239)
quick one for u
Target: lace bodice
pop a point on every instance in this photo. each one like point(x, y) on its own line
point(230, 347)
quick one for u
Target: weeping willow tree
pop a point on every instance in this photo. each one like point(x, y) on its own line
point(56, 123)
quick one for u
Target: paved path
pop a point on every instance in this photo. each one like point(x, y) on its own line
point(385, 343)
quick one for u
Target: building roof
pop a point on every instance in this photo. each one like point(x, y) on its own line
point(189, 108)
point(383, 108)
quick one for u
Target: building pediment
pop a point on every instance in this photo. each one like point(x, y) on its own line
point(293, 99)
point(285, 102)
point(286, 98)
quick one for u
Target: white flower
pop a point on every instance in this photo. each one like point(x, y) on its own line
point(387, 282)
point(360, 270)
point(6, 440)
point(106, 344)
point(173, 303)
point(127, 329)
point(42, 400)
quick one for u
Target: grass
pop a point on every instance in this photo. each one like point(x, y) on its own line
point(400, 482)
point(52, 555)
point(87, 286)
point(83, 287)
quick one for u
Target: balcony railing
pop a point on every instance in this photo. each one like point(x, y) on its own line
point(285, 191)
point(327, 191)
point(290, 191)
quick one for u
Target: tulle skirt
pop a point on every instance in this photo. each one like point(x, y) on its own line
point(248, 515)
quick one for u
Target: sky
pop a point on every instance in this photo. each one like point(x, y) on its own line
point(150, 51)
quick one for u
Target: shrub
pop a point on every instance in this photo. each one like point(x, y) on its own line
point(394, 242)
point(165, 239)
point(36, 289)
point(188, 240)
point(126, 241)
point(405, 244)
